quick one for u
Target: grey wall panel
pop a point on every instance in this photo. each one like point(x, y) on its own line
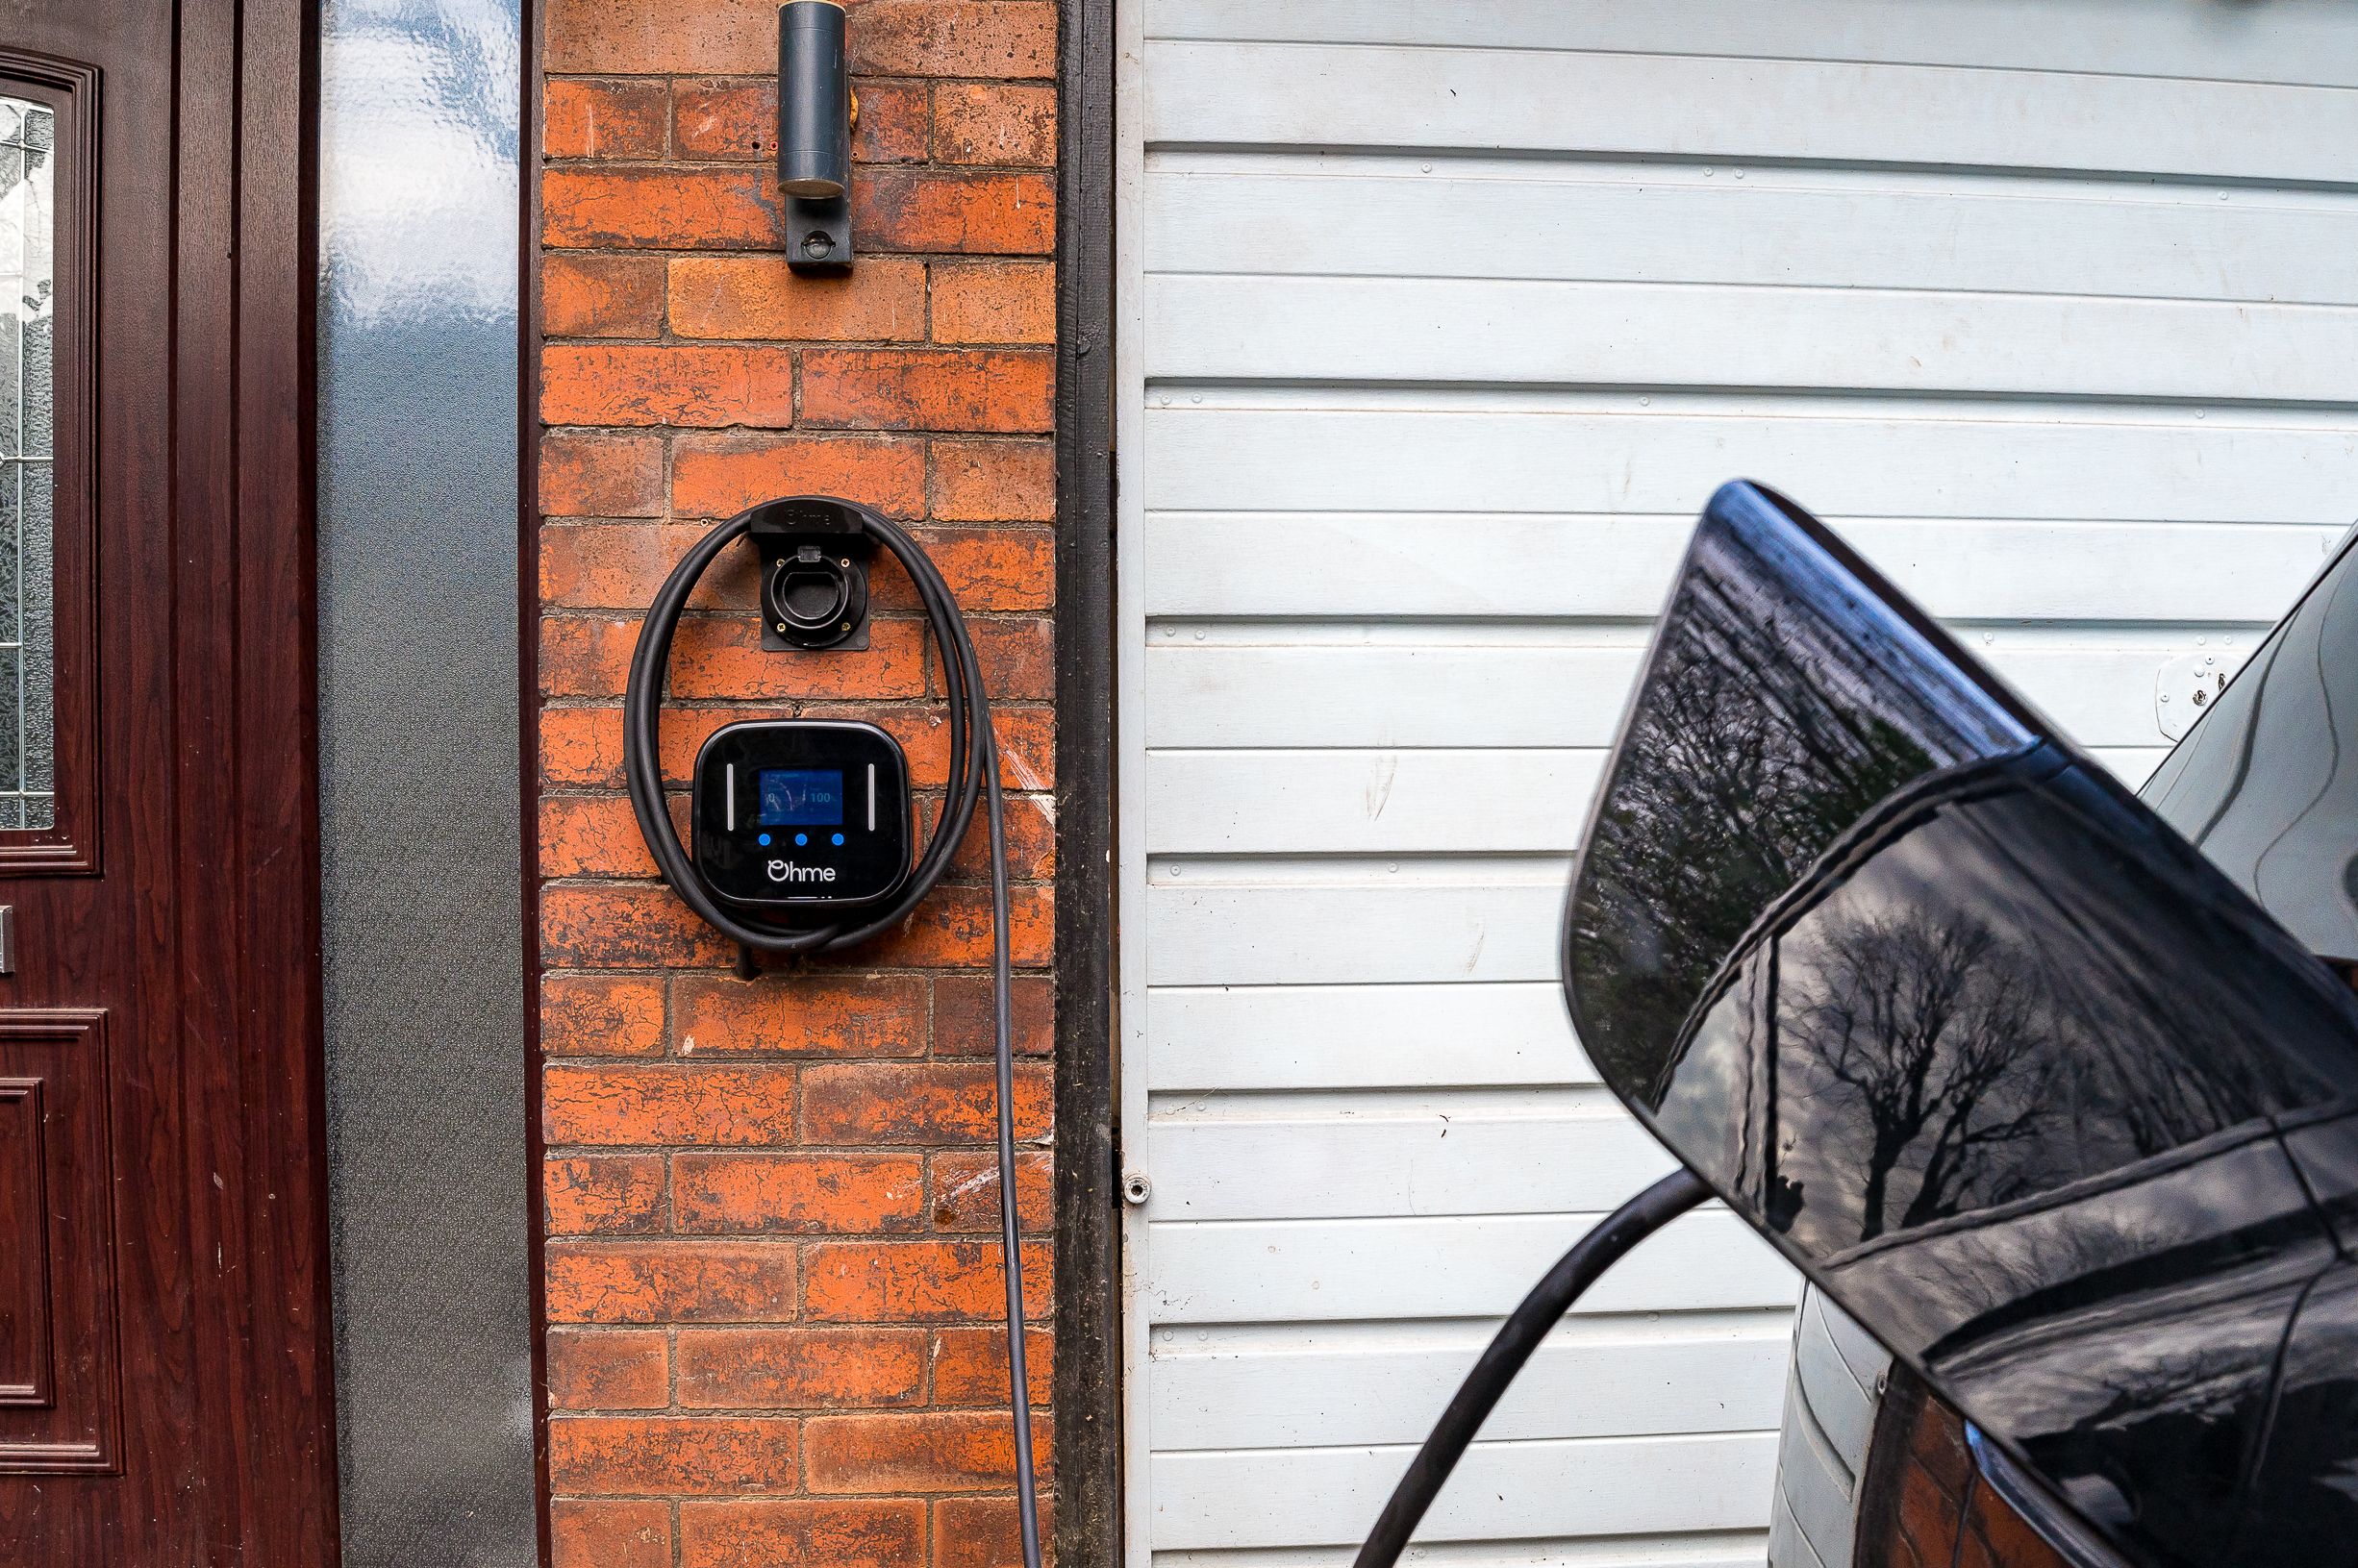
point(418, 747)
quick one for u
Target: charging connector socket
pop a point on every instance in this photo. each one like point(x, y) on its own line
point(815, 561)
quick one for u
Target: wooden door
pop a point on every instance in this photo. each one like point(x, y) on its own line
point(164, 1355)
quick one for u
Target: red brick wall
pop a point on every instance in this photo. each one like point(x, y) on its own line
point(772, 1272)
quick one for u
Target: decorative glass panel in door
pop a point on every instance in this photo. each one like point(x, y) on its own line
point(28, 409)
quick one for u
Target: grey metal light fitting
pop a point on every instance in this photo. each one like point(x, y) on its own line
point(815, 110)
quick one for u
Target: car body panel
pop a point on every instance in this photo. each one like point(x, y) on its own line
point(2010, 1070)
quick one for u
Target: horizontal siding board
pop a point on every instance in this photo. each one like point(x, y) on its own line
point(1485, 330)
point(1371, 1166)
point(1714, 1549)
point(1328, 1394)
point(1294, 1271)
point(1225, 802)
point(2310, 41)
point(1243, 214)
point(1369, 932)
point(1531, 695)
point(1216, 1037)
point(1604, 1487)
point(1503, 800)
point(1613, 454)
point(1460, 565)
point(1385, 95)
point(2058, 341)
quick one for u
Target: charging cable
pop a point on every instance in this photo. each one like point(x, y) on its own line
point(973, 776)
point(1517, 1338)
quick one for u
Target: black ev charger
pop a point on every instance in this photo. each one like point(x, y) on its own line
point(801, 827)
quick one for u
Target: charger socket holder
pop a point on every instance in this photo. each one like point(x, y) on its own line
point(814, 565)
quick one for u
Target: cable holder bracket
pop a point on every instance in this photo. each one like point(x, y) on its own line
point(815, 563)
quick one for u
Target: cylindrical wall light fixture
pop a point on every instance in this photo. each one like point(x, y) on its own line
point(814, 112)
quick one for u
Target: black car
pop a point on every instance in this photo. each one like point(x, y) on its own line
point(2050, 1089)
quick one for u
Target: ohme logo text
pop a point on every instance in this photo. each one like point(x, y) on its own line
point(788, 871)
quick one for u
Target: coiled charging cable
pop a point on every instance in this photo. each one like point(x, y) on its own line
point(974, 774)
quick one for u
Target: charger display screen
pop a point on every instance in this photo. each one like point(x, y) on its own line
point(800, 798)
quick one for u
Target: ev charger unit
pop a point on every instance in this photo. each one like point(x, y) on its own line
point(802, 829)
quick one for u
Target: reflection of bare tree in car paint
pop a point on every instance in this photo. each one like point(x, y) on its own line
point(1755, 745)
point(1937, 1053)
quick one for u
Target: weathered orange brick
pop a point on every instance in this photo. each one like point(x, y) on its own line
point(954, 38)
point(681, 1456)
point(591, 836)
point(602, 1015)
point(671, 1282)
point(687, 729)
point(601, 297)
point(655, 38)
point(922, 1451)
point(913, 1282)
point(774, 1369)
point(985, 1532)
point(938, 209)
point(586, 656)
point(624, 927)
point(1017, 655)
point(992, 481)
point(609, 1369)
point(964, 1188)
point(880, 301)
point(673, 1102)
point(585, 1533)
point(581, 747)
point(1030, 841)
point(666, 383)
point(915, 1101)
point(724, 657)
point(962, 1015)
point(718, 476)
point(970, 1365)
point(803, 1532)
point(994, 122)
point(602, 1194)
point(602, 119)
point(810, 1015)
point(673, 207)
point(896, 123)
point(727, 120)
point(609, 567)
point(586, 475)
point(806, 1194)
point(987, 568)
point(951, 930)
point(994, 302)
point(1004, 390)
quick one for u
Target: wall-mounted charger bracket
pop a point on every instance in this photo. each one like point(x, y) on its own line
point(815, 560)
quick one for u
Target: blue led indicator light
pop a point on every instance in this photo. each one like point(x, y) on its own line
point(802, 838)
point(839, 841)
point(764, 841)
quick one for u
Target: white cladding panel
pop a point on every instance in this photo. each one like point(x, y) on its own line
point(1438, 323)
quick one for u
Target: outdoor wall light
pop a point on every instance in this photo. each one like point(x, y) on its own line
point(814, 119)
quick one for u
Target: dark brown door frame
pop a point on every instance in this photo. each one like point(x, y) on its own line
point(1087, 1392)
point(206, 763)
